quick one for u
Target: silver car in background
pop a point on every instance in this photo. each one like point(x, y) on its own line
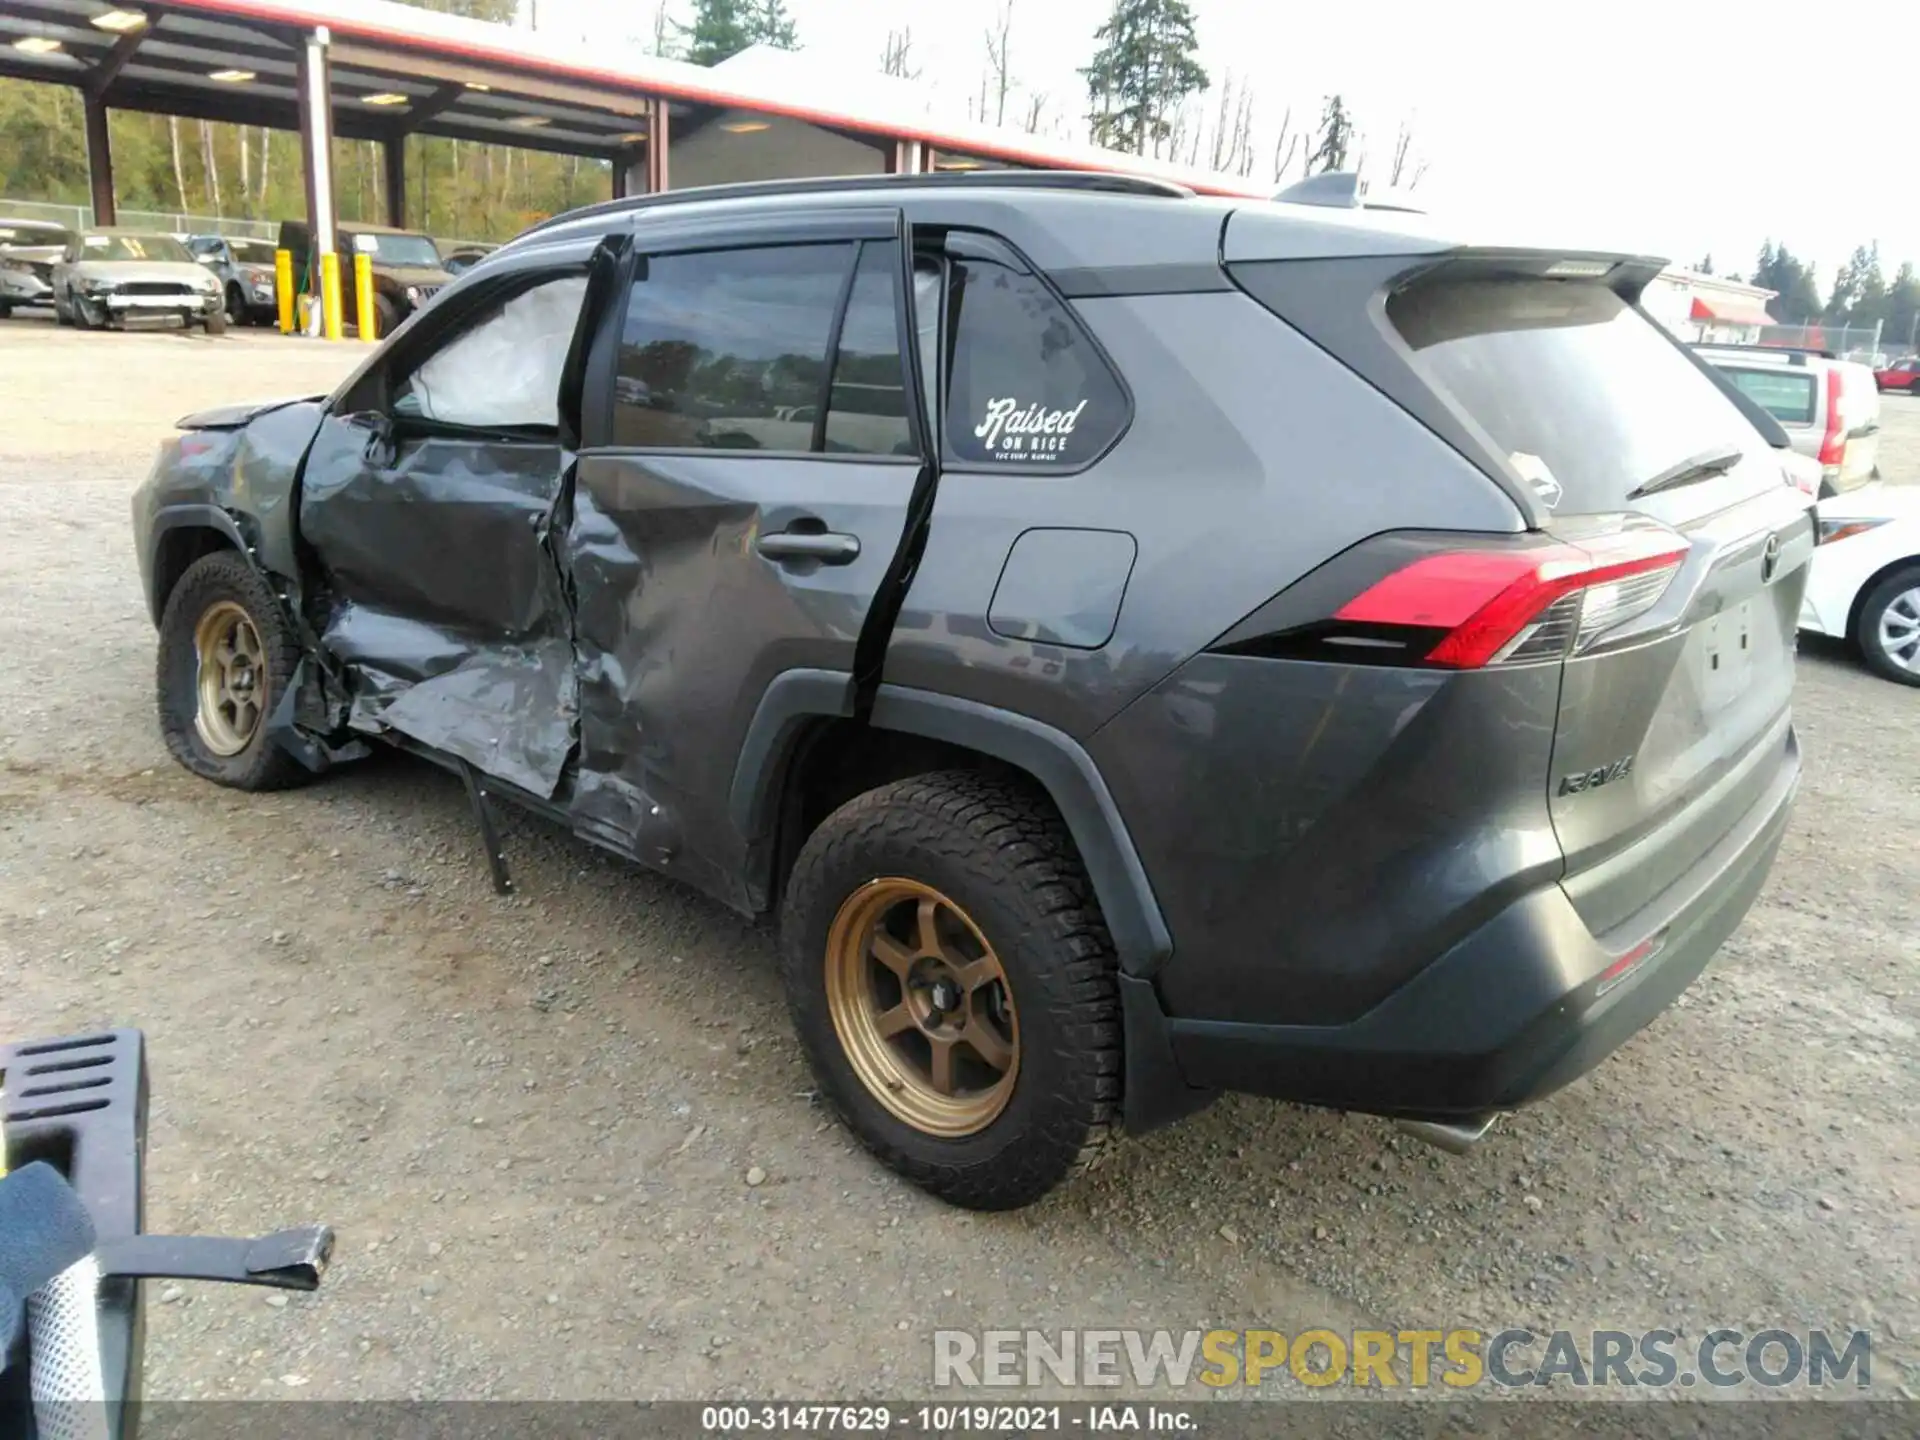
point(245, 268)
point(28, 252)
point(122, 277)
point(1830, 408)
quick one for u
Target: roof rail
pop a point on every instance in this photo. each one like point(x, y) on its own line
point(1084, 180)
point(1346, 190)
point(1793, 352)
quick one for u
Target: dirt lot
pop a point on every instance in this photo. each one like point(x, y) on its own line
point(532, 1119)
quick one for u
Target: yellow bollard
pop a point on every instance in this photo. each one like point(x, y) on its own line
point(333, 324)
point(283, 288)
point(367, 318)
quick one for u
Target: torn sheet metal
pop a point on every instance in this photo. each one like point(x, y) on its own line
point(442, 600)
point(508, 712)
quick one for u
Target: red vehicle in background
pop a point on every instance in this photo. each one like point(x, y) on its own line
point(1902, 374)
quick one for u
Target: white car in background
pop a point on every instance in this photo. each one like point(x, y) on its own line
point(1864, 585)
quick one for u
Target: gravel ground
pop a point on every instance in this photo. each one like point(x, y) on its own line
point(533, 1120)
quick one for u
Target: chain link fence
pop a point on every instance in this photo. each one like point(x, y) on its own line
point(1850, 342)
point(80, 217)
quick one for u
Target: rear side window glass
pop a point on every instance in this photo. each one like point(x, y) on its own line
point(867, 413)
point(1582, 394)
point(727, 349)
point(1025, 386)
point(503, 371)
point(1785, 395)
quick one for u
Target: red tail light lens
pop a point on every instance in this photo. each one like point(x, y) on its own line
point(1833, 443)
point(1501, 605)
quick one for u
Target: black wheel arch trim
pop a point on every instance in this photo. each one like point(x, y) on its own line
point(1053, 758)
point(188, 517)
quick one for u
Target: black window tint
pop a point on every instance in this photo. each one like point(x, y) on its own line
point(727, 349)
point(1025, 386)
point(868, 411)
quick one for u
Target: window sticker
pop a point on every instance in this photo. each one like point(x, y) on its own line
point(1012, 430)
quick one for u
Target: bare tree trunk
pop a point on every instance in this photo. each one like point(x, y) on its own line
point(266, 161)
point(1036, 108)
point(893, 60)
point(1285, 147)
point(246, 178)
point(179, 171)
point(998, 49)
point(211, 164)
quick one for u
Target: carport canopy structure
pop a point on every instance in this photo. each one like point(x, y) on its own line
point(378, 71)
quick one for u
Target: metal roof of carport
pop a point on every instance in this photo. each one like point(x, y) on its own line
point(461, 78)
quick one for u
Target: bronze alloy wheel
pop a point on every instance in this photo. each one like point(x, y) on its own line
point(922, 1007)
point(232, 684)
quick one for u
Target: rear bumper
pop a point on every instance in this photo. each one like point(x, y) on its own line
point(1511, 1013)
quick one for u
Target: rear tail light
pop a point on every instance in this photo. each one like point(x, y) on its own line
point(1832, 530)
point(1833, 443)
point(1499, 606)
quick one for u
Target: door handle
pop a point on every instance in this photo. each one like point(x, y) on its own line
point(828, 548)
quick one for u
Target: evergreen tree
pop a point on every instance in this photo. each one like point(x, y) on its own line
point(771, 25)
point(1144, 68)
point(1705, 266)
point(1797, 299)
point(720, 29)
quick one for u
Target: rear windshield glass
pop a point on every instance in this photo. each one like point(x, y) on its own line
point(1579, 390)
point(1786, 396)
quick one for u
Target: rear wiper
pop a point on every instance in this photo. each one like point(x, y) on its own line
point(1703, 466)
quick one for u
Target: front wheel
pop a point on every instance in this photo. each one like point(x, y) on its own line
point(236, 305)
point(953, 985)
point(227, 654)
point(216, 323)
point(1887, 628)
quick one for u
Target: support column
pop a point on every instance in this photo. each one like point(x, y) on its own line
point(393, 151)
point(659, 143)
point(908, 158)
point(629, 174)
point(316, 158)
point(99, 160)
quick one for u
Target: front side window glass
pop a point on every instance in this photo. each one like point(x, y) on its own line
point(503, 371)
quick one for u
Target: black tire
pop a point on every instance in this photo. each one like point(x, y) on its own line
point(237, 312)
point(6, 310)
point(1866, 626)
point(1914, 388)
point(61, 315)
point(216, 323)
point(224, 578)
point(999, 850)
point(386, 316)
point(81, 320)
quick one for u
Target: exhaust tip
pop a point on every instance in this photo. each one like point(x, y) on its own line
point(1456, 1137)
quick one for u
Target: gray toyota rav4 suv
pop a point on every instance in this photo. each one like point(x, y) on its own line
point(1139, 645)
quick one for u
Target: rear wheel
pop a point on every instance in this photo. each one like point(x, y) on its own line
point(1887, 628)
point(226, 655)
point(1914, 388)
point(953, 985)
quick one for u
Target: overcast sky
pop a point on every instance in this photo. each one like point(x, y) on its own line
point(1677, 128)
